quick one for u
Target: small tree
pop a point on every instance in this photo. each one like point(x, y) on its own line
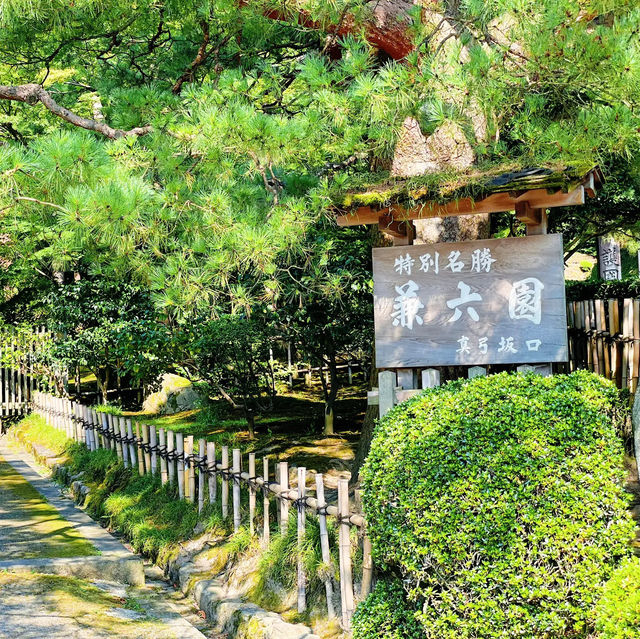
point(110, 329)
point(328, 311)
point(232, 355)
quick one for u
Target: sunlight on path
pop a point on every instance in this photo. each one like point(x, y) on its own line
point(38, 606)
point(30, 527)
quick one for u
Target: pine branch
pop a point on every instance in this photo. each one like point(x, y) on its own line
point(33, 93)
point(21, 198)
point(203, 54)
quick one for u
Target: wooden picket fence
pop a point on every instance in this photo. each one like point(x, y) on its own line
point(604, 336)
point(198, 474)
point(20, 371)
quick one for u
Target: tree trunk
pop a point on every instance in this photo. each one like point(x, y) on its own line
point(364, 444)
point(387, 26)
point(330, 393)
point(103, 384)
point(251, 423)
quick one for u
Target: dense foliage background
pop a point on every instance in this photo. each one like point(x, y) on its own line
point(197, 151)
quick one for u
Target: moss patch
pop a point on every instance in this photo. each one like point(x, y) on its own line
point(30, 527)
point(80, 603)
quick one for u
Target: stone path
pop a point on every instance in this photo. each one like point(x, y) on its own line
point(30, 527)
point(39, 528)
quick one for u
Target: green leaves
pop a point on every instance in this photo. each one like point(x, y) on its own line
point(501, 502)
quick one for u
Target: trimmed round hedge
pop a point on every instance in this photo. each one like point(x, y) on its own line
point(500, 502)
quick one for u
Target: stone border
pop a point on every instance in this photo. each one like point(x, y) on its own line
point(125, 570)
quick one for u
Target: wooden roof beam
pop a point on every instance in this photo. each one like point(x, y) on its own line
point(495, 203)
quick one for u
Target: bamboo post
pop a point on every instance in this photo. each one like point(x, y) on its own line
point(346, 577)
point(122, 426)
point(109, 431)
point(211, 465)
point(147, 452)
point(162, 436)
point(191, 470)
point(265, 502)
point(600, 328)
point(90, 428)
point(626, 318)
point(180, 464)
point(115, 429)
point(225, 481)
point(284, 502)
point(614, 328)
point(597, 361)
point(570, 341)
point(236, 489)
point(588, 338)
point(171, 464)
point(201, 457)
point(153, 442)
point(106, 432)
point(132, 445)
point(367, 566)
point(93, 418)
point(252, 493)
point(636, 346)
point(139, 450)
point(324, 543)
point(302, 520)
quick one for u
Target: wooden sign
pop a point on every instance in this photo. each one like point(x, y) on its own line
point(470, 303)
point(609, 259)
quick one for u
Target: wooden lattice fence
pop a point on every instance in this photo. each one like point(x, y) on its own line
point(23, 369)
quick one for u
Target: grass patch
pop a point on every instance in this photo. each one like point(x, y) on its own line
point(35, 429)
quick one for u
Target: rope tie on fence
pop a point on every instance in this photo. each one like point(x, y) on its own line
point(162, 451)
point(187, 460)
point(172, 456)
point(300, 504)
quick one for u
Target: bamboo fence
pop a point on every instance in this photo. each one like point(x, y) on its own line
point(20, 376)
point(604, 336)
point(199, 473)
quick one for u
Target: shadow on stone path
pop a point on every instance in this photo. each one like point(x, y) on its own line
point(39, 529)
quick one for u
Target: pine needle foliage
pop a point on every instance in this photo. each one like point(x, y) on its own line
point(258, 123)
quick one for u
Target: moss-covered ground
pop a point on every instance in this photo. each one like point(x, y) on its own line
point(35, 605)
point(30, 527)
point(292, 431)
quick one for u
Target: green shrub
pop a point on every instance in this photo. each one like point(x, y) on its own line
point(618, 612)
point(501, 501)
point(386, 615)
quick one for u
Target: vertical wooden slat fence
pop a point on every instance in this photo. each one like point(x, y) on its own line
point(147, 448)
point(604, 336)
point(19, 377)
